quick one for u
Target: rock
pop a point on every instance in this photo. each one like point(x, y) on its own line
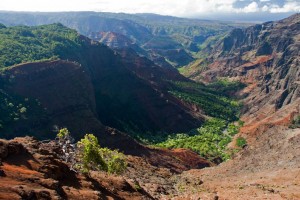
point(14, 148)
point(200, 182)
point(49, 183)
point(3, 149)
point(160, 189)
point(2, 173)
point(43, 195)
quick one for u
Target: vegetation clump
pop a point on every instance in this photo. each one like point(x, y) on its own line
point(241, 142)
point(87, 155)
point(295, 123)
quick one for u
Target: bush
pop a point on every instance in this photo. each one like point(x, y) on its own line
point(241, 142)
point(63, 134)
point(115, 161)
point(295, 123)
point(88, 155)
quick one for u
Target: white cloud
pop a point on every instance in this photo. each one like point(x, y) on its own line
point(252, 7)
point(265, 8)
point(166, 7)
point(291, 6)
point(45, 5)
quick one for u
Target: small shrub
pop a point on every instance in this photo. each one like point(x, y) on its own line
point(241, 142)
point(92, 157)
point(89, 154)
point(115, 160)
point(295, 123)
point(63, 133)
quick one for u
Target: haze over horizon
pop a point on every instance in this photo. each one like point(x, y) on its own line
point(237, 10)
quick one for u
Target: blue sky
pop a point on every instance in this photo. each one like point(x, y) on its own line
point(254, 10)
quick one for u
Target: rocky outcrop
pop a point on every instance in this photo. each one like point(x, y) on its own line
point(31, 169)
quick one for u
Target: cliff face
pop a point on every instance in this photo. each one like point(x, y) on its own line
point(63, 89)
point(162, 51)
point(131, 92)
point(266, 58)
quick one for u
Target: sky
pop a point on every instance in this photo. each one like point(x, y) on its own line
point(210, 9)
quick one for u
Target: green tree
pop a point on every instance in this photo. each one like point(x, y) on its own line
point(90, 155)
point(116, 163)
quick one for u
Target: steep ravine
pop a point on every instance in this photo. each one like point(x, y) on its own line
point(266, 58)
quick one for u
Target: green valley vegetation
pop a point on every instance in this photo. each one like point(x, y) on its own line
point(222, 124)
point(210, 141)
point(211, 99)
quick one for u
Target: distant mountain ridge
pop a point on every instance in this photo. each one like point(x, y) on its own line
point(166, 40)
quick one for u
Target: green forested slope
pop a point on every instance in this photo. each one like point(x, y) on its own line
point(27, 44)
